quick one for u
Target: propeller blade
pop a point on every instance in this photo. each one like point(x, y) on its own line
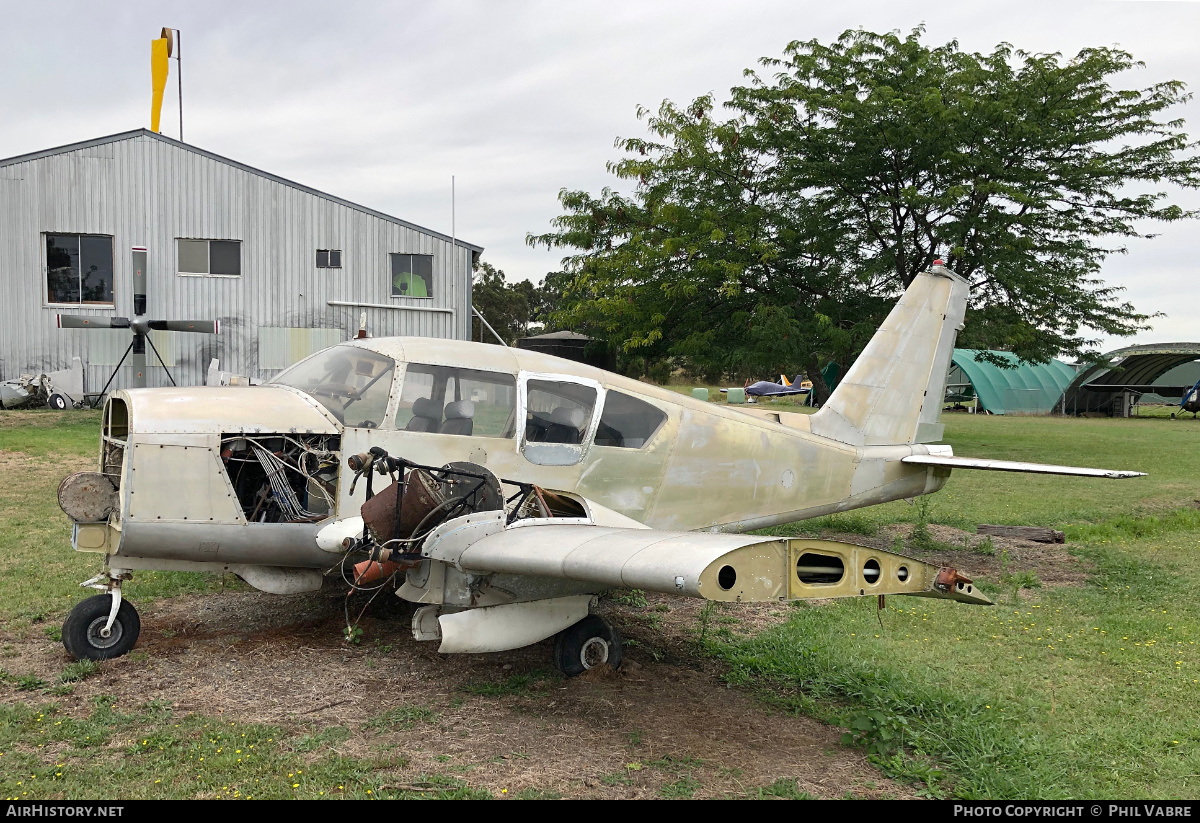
point(76, 321)
point(201, 326)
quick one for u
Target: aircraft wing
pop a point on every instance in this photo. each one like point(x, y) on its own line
point(790, 390)
point(714, 566)
point(1144, 388)
point(1015, 466)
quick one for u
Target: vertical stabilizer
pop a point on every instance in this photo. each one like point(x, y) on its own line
point(893, 393)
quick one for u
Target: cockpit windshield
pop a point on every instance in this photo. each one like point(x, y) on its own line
point(352, 382)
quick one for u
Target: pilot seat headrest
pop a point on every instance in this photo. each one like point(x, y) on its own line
point(567, 416)
point(460, 410)
point(426, 407)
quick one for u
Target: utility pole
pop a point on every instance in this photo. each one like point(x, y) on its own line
point(454, 260)
point(179, 75)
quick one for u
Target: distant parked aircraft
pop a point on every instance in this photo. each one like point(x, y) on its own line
point(1191, 399)
point(784, 388)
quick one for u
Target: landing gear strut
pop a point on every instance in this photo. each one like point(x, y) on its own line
point(589, 643)
point(103, 626)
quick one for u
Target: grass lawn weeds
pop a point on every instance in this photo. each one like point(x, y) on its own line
point(148, 753)
point(1062, 692)
point(41, 572)
point(1069, 691)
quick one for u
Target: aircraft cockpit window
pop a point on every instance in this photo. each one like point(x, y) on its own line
point(450, 400)
point(627, 422)
point(557, 416)
point(558, 412)
point(353, 383)
point(418, 411)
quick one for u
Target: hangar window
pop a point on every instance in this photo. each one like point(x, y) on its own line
point(450, 400)
point(329, 258)
point(412, 275)
point(627, 422)
point(209, 258)
point(79, 269)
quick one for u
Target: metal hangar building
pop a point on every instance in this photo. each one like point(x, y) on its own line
point(286, 270)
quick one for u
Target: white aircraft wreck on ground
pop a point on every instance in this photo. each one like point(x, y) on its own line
point(55, 390)
point(502, 489)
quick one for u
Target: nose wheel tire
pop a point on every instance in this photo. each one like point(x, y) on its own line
point(589, 643)
point(83, 631)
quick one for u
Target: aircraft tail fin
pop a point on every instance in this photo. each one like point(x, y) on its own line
point(783, 379)
point(893, 393)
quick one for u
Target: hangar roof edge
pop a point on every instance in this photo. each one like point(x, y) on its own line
point(129, 135)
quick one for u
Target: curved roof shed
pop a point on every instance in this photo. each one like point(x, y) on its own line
point(1026, 388)
point(1134, 369)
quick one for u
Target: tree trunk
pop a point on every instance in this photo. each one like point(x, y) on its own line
point(1035, 533)
point(819, 389)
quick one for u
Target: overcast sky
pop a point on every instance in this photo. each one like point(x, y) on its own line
point(381, 102)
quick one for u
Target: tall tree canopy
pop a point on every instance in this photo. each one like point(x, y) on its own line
point(782, 234)
point(512, 309)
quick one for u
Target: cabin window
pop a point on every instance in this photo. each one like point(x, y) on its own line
point(329, 258)
point(353, 383)
point(557, 418)
point(627, 422)
point(450, 400)
point(79, 269)
point(209, 258)
point(412, 275)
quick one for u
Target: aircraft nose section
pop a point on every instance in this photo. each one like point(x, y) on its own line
point(224, 409)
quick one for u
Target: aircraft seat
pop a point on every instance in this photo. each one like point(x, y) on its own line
point(566, 425)
point(459, 418)
point(426, 415)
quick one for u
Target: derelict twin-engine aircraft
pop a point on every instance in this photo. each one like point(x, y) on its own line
point(502, 490)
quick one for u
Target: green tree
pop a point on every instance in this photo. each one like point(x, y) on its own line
point(505, 307)
point(513, 309)
point(783, 234)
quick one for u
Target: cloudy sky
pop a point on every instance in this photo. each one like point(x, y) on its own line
point(381, 102)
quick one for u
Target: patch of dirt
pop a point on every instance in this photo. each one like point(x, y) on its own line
point(664, 717)
point(1051, 562)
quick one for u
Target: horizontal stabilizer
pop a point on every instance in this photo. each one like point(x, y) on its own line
point(1015, 466)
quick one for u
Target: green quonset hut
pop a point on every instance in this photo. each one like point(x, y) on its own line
point(1026, 388)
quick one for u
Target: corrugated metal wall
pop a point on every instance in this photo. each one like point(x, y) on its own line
point(145, 190)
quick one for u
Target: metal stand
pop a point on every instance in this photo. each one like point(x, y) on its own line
point(97, 398)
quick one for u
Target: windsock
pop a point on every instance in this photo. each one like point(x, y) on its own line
point(159, 53)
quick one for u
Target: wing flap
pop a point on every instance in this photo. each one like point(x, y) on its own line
point(1015, 466)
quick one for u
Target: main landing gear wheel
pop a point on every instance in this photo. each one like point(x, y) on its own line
point(83, 630)
point(589, 643)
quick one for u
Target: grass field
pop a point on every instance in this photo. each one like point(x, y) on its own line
point(1065, 692)
point(42, 573)
point(1070, 691)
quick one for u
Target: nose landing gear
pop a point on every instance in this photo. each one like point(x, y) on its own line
point(103, 626)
